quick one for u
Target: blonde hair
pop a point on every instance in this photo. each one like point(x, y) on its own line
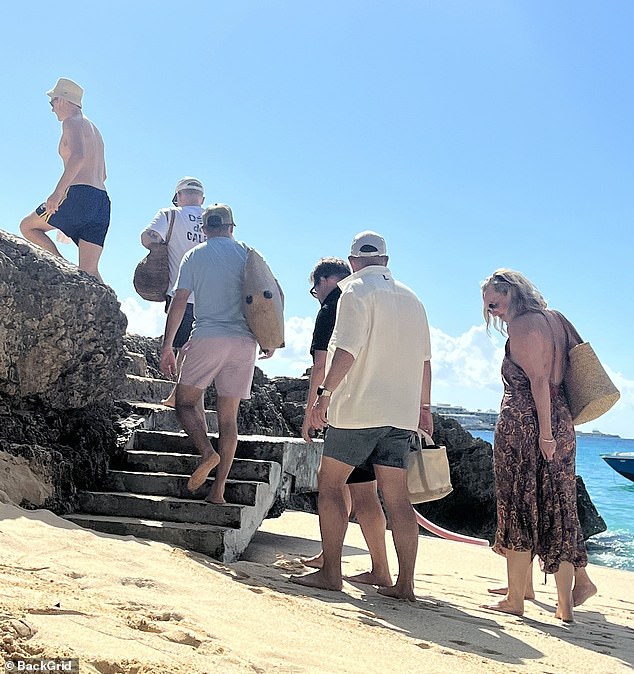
point(524, 296)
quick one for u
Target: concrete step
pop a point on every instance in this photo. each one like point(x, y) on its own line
point(217, 542)
point(161, 418)
point(169, 484)
point(299, 459)
point(225, 543)
point(165, 508)
point(185, 464)
point(145, 388)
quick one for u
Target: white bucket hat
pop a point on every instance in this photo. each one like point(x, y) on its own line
point(68, 90)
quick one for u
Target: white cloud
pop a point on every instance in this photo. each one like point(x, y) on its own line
point(144, 318)
point(294, 358)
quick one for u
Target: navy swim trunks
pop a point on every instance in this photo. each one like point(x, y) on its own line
point(84, 213)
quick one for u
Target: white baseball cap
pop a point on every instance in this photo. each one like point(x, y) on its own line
point(368, 244)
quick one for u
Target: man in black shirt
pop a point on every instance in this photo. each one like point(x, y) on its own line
point(362, 498)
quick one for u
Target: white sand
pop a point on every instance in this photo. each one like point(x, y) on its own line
point(126, 606)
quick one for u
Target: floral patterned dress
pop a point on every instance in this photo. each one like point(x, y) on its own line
point(536, 499)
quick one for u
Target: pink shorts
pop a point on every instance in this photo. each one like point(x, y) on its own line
point(226, 361)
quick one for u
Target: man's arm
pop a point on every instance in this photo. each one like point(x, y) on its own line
point(317, 374)
point(341, 363)
point(174, 318)
point(73, 140)
point(150, 238)
point(425, 419)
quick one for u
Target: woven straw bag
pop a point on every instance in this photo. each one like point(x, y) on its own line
point(152, 276)
point(589, 389)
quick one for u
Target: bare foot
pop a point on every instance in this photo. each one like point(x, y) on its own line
point(370, 578)
point(206, 465)
point(504, 591)
point(215, 497)
point(565, 616)
point(318, 579)
point(169, 402)
point(580, 594)
point(505, 606)
point(396, 592)
point(315, 562)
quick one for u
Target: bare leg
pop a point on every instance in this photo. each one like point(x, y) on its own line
point(89, 254)
point(227, 409)
point(369, 513)
point(333, 522)
point(393, 484)
point(529, 590)
point(34, 229)
point(517, 566)
point(170, 401)
point(188, 400)
point(317, 561)
point(564, 579)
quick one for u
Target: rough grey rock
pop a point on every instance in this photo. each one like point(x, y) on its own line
point(61, 331)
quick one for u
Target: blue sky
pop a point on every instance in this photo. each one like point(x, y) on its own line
point(472, 135)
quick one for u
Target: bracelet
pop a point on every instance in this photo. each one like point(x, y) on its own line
point(548, 441)
point(426, 406)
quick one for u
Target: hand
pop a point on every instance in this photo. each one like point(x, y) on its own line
point(52, 203)
point(168, 362)
point(547, 448)
point(426, 421)
point(319, 413)
point(265, 353)
point(306, 427)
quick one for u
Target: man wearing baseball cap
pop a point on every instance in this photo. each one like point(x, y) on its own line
point(186, 232)
point(79, 206)
point(375, 393)
point(221, 348)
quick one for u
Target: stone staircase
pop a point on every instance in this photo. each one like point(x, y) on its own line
point(146, 495)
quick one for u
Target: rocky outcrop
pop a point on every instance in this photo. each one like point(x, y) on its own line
point(61, 332)
point(62, 362)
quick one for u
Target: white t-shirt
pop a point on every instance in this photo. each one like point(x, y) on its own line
point(186, 233)
point(384, 326)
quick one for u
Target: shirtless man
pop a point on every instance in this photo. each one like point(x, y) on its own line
point(79, 206)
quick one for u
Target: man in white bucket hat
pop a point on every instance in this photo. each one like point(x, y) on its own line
point(79, 206)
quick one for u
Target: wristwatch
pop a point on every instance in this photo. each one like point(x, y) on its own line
point(321, 391)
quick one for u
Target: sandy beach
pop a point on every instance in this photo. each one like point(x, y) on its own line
point(127, 606)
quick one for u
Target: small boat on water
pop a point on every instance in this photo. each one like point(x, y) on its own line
point(622, 462)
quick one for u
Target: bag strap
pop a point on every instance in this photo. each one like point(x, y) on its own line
point(170, 218)
point(569, 329)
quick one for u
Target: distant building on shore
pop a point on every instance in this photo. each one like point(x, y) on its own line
point(470, 420)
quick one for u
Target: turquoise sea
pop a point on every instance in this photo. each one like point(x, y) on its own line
point(612, 495)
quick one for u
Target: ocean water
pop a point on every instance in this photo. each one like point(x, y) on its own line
point(612, 495)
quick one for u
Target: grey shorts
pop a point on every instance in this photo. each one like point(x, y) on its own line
point(383, 446)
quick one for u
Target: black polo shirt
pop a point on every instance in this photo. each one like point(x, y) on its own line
point(325, 322)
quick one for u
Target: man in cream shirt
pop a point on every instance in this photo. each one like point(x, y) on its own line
point(376, 391)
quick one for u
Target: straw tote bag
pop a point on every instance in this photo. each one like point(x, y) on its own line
point(152, 274)
point(428, 476)
point(589, 389)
